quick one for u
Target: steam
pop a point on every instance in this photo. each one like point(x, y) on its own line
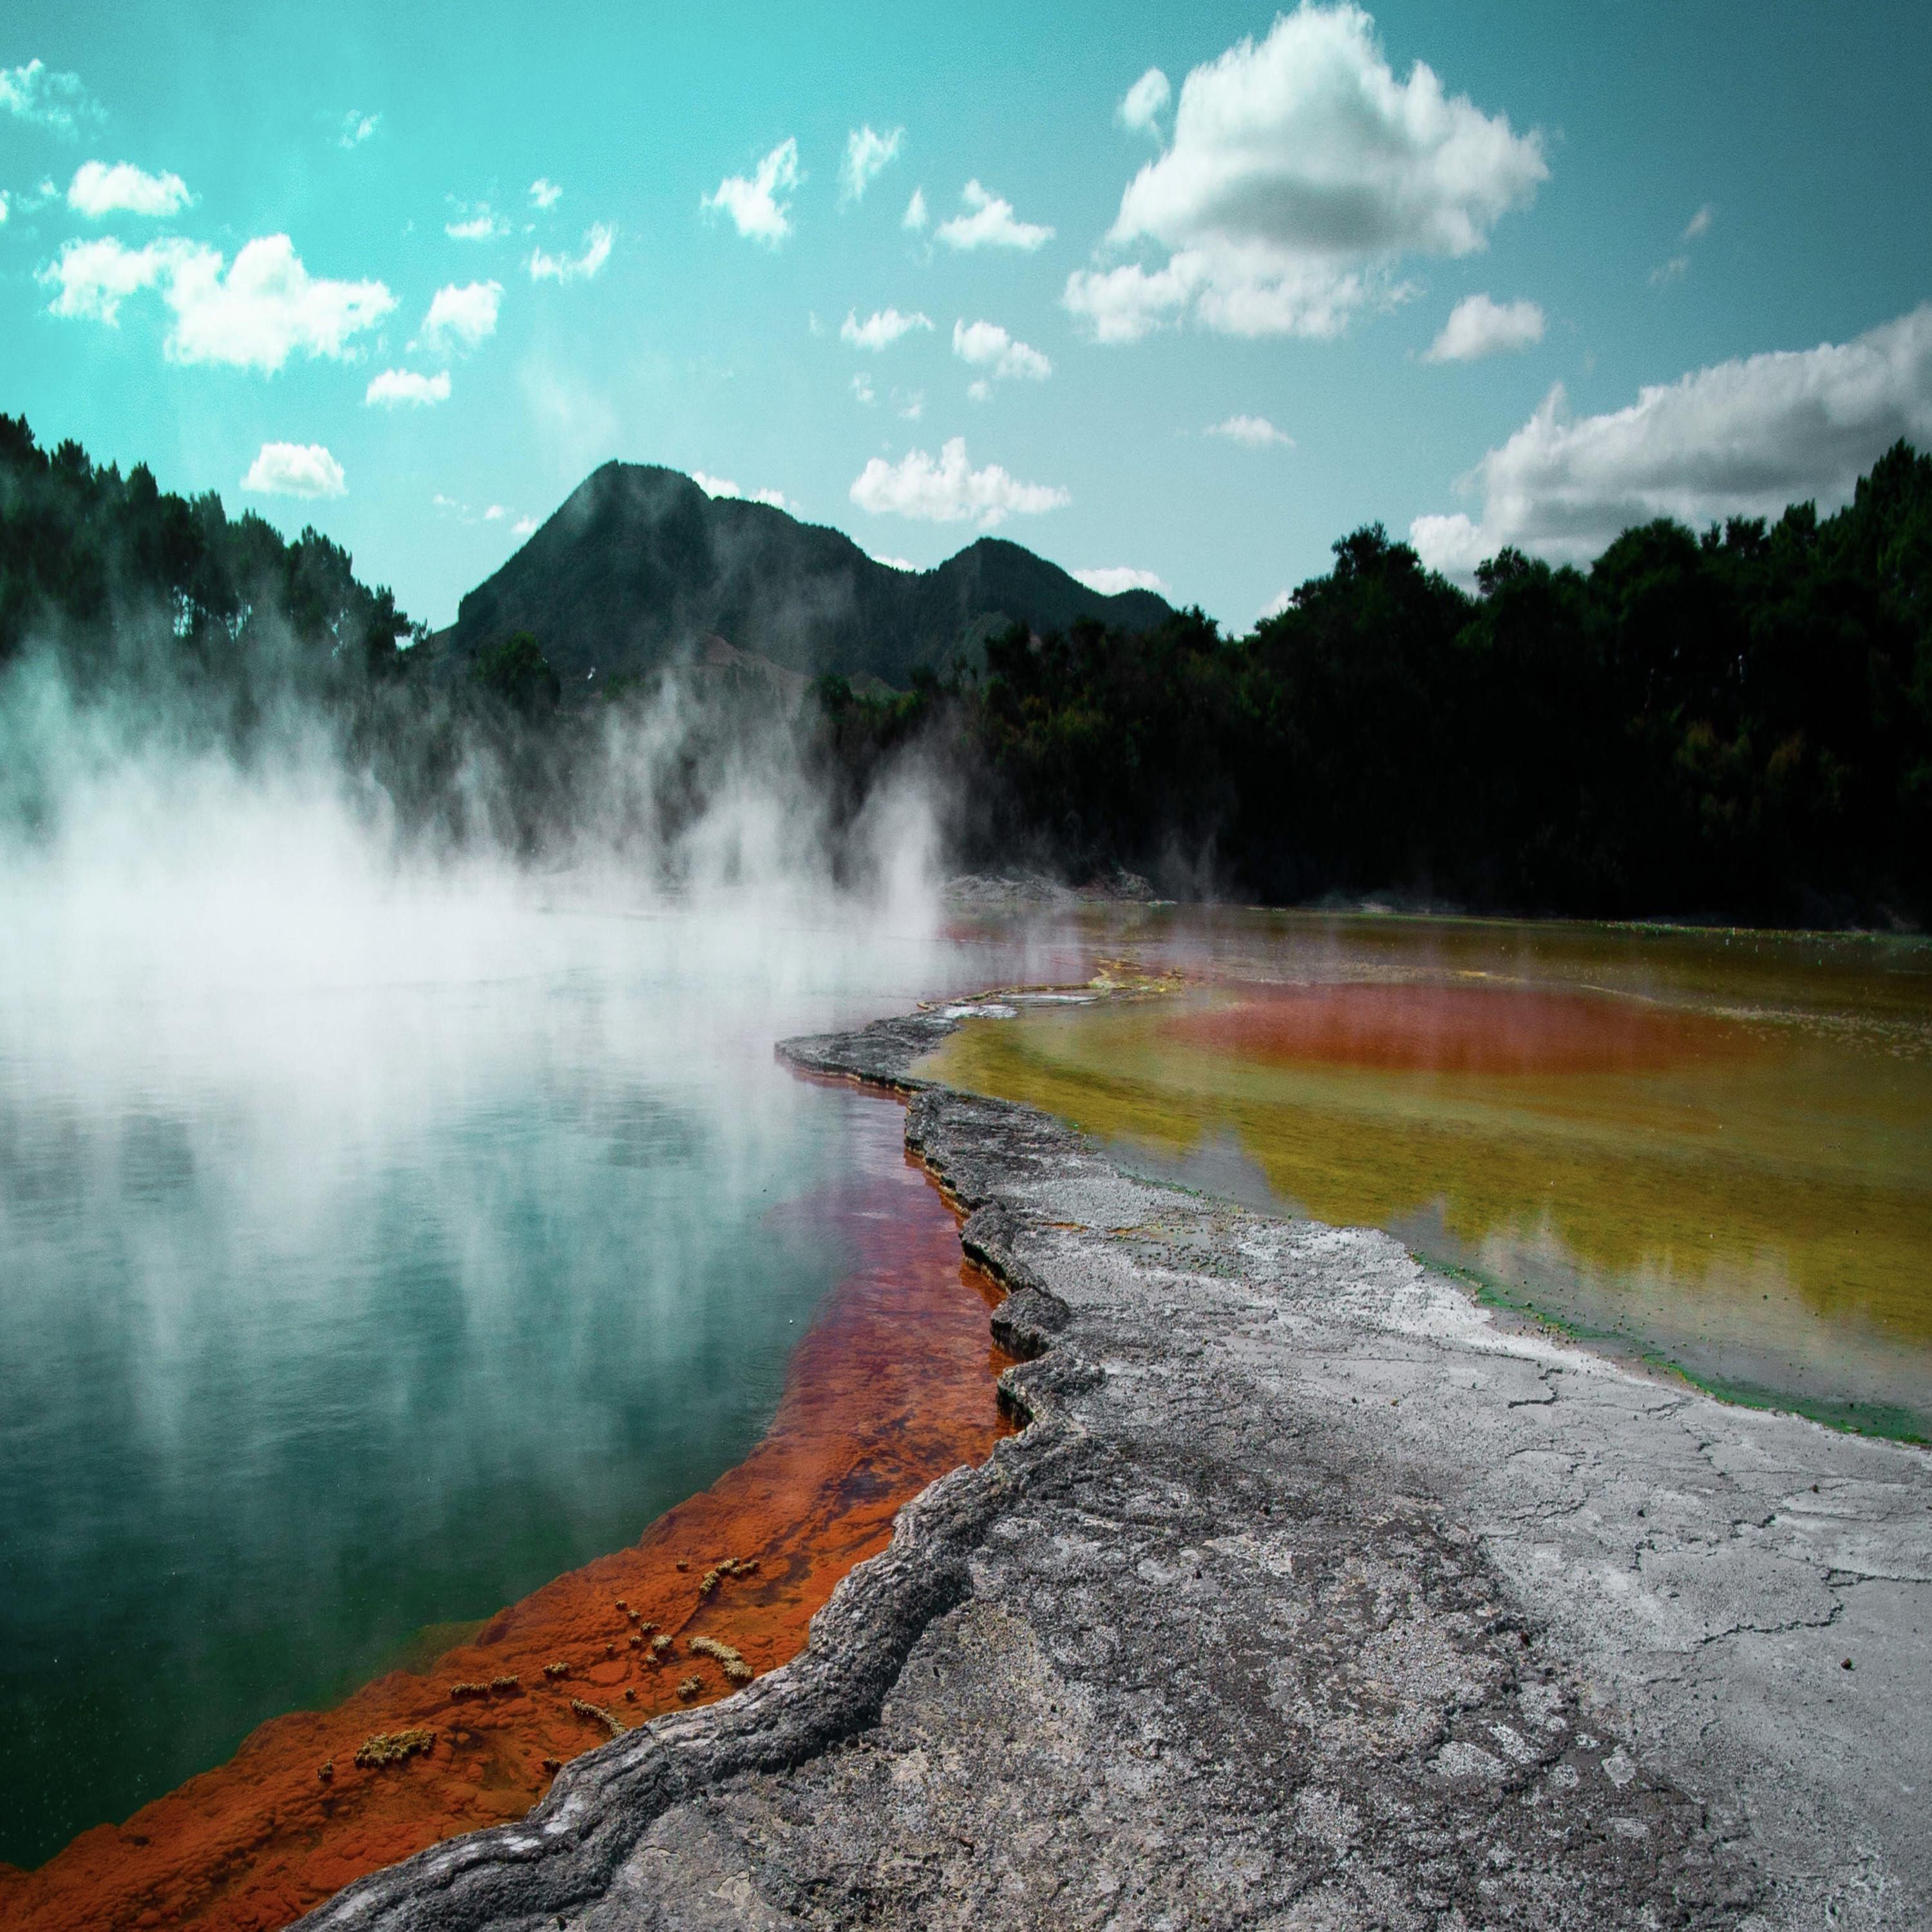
point(389, 1133)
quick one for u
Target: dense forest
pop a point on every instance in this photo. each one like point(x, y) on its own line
point(1733, 723)
point(1736, 723)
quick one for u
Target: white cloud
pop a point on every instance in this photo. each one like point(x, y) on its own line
point(92, 279)
point(523, 526)
point(989, 222)
point(98, 189)
point(42, 98)
point(1144, 103)
point(394, 387)
point(545, 193)
point(495, 513)
point(1275, 606)
point(462, 317)
point(294, 469)
point(3, 205)
point(723, 486)
point(1253, 432)
point(880, 329)
point(754, 206)
point(867, 156)
point(913, 407)
point(895, 562)
point(357, 128)
point(598, 240)
point(1477, 327)
point(1679, 264)
point(950, 490)
point(1300, 170)
point(915, 218)
point(861, 388)
point(475, 221)
point(1110, 580)
point(985, 345)
point(1743, 438)
point(254, 315)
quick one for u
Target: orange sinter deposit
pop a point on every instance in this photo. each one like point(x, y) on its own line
point(889, 1390)
point(1457, 1028)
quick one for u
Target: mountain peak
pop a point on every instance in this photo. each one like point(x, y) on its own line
point(640, 565)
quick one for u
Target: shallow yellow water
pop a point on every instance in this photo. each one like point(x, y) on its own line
point(1714, 1150)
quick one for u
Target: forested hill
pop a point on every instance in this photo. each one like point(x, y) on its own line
point(102, 565)
point(641, 564)
point(1736, 724)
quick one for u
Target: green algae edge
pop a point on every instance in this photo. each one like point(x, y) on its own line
point(1886, 1421)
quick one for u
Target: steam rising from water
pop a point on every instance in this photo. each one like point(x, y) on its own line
point(388, 1215)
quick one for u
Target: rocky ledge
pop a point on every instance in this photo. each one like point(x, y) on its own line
point(1306, 1599)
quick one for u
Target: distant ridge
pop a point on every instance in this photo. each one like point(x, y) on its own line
point(641, 568)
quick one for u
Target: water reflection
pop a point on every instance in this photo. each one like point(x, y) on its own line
point(340, 1302)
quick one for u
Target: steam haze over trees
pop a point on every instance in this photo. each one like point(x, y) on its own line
point(1736, 722)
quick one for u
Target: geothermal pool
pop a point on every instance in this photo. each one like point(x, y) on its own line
point(355, 1287)
point(371, 1264)
point(1711, 1151)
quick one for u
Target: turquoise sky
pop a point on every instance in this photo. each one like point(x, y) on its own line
point(1708, 224)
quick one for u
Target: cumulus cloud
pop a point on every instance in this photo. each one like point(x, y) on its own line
point(254, 315)
point(880, 329)
point(895, 562)
point(545, 193)
point(294, 469)
point(915, 218)
point(357, 128)
point(475, 221)
point(1478, 327)
point(1742, 438)
point(462, 317)
point(4, 208)
point(989, 222)
point(395, 388)
point(599, 239)
point(41, 97)
point(723, 486)
point(867, 156)
point(523, 526)
point(1145, 102)
point(1110, 580)
point(1301, 169)
point(761, 207)
point(950, 490)
point(862, 389)
point(91, 280)
point(97, 189)
point(985, 345)
point(1253, 432)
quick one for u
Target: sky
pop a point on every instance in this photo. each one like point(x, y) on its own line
point(1175, 295)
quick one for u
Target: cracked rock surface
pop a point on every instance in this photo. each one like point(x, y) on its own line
point(1307, 1599)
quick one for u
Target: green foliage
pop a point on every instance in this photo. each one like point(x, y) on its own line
point(1738, 723)
point(517, 671)
point(102, 563)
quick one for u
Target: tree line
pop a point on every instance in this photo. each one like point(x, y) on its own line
point(1733, 723)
